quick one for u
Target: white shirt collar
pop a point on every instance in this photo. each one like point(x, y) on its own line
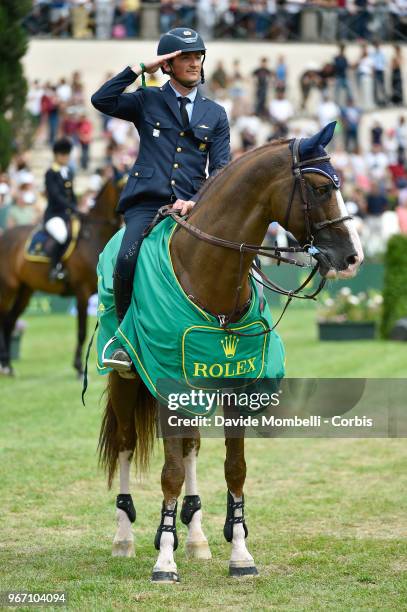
point(64, 172)
point(191, 95)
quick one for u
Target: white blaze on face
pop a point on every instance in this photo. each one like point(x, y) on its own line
point(353, 237)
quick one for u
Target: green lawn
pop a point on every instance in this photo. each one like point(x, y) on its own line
point(327, 518)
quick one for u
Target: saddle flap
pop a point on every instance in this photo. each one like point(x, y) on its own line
point(39, 243)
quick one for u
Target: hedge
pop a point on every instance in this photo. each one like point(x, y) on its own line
point(395, 283)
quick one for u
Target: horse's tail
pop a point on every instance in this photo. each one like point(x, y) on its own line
point(144, 432)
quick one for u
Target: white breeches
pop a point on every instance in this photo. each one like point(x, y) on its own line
point(56, 227)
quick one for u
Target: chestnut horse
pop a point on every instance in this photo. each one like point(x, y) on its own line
point(237, 205)
point(19, 278)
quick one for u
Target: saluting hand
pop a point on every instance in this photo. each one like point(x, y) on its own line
point(185, 206)
point(153, 66)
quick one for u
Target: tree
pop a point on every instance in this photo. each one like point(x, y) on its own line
point(13, 85)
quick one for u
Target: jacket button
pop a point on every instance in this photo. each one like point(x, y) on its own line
point(136, 174)
point(179, 149)
point(158, 123)
point(176, 165)
point(205, 138)
point(172, 182)
point(182, 133)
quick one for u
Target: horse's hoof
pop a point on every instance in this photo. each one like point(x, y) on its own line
point(125, 548)
point(198, 550)
point(240, 569)
point(164, 577)
point(6, 371)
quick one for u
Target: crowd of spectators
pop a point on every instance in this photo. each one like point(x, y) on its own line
point(59, 109)
point(55, 109)
point(22, 194)
point(278, 20)
point(261, 106)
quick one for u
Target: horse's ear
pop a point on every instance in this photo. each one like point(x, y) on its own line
point(325, 135)
point(322, 138)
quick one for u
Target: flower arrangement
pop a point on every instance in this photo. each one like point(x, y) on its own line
point(344, 307)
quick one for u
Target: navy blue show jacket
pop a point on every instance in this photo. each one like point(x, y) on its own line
point(60, 194)
point(172, 161)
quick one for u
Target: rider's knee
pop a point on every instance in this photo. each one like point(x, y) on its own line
point(126, 262)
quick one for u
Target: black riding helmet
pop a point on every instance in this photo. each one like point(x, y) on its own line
point(182, 39)
point(63, 146)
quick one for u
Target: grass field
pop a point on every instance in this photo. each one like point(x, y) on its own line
point(327, 518)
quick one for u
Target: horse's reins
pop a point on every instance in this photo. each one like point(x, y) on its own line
point(272, 252)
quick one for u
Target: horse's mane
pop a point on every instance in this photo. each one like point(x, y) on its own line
point(249, 154)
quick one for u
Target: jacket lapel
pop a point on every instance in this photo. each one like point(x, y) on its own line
point(171, 100)
point(200, 108)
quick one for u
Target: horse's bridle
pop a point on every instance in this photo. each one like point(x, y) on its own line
point(273, 252)
point(299, 168)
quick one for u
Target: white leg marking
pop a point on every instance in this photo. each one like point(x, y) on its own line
point(125, 464)
point(123, 543)
point(197, 543)
point(191, 486)
point(240, 556)
point(165, 561)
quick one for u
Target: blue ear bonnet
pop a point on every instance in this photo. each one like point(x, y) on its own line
point(313, 147)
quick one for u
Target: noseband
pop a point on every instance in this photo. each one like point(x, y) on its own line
point(273, 252)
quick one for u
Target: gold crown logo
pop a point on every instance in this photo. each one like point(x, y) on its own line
point(229, 345)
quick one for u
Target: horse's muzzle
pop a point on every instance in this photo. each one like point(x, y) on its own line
point(330, 271)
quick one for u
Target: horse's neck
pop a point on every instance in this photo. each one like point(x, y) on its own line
point(235, 207)
point(102, 220)
point(103, 212)
point(105, 204)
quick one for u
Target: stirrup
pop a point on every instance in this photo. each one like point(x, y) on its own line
point(119, 361)
point(57, 273)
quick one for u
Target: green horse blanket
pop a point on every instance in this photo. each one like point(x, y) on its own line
point(168, 336)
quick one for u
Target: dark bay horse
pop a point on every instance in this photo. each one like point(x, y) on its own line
point(19, 278)
point(290, 182)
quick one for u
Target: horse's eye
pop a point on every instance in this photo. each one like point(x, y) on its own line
point(322, 189)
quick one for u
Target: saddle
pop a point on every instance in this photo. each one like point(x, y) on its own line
point(39, 243)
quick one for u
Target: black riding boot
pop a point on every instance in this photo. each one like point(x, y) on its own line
point(56, 271)
point(122, 289)
point(120, 360)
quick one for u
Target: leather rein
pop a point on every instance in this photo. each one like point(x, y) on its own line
point(272, 252)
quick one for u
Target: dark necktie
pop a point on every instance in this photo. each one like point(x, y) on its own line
point(184, 114)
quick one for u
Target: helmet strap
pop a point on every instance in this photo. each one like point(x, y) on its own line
point(202, 69)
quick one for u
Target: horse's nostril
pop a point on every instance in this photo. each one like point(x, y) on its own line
point(351, 259)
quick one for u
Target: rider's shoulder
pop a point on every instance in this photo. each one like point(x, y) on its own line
point(216, 108)
point(149, 91)
point(53, 169)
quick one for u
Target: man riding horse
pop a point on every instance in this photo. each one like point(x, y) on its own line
point(179, 132)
